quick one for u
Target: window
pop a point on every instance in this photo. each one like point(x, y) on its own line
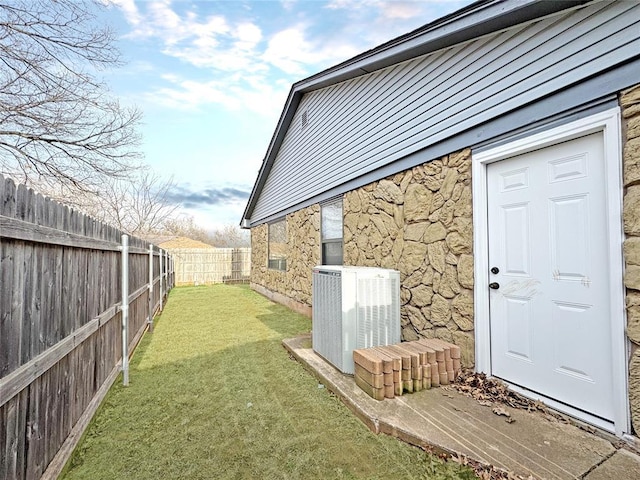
point(278, 245)
point(331, 232)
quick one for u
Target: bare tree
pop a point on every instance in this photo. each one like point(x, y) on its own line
point(230, 236)
point(137, 205)
point(185, 226)
point(57, 122)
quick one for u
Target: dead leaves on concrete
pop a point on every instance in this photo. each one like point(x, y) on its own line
point(490, 391)
point(487, 472)
point(503, 413)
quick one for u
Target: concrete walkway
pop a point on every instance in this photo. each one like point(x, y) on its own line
point(445, 421)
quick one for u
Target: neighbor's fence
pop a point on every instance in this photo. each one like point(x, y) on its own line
point(63, 323)
point(204, 266)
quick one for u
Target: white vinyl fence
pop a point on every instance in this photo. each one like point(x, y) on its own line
point(203, 266)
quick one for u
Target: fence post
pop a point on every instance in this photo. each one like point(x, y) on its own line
point(166, 262)
point(161, 256)
point(166, 272)
point(169, 259)
point(125, 309)
point(150, 319)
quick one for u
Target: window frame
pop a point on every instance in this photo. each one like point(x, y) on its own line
point(332, 240)
point(277, 263)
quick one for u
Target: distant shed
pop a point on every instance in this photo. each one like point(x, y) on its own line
point(182, 242)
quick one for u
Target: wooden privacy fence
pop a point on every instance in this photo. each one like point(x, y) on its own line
point(204, 266)
point(63, 323)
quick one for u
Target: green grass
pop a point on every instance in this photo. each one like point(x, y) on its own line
point(214, 395)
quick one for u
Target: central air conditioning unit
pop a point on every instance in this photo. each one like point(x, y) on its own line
point(354, 307)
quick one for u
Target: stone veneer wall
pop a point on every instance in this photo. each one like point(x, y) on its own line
point(303, 253)
point(419, 222)
point(630, 104)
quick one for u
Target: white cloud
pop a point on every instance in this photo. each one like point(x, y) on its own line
point(189, 94)
point(288, 5)
point(248, 36)
point(226, 46)
point(234, 55)
point(401, 10)
point(378, 21)
point(164, 18)
point(221, 71)
point(129, 9)
point(288, 50)
point(291, 51)
point(250, 93)
point(212, 42)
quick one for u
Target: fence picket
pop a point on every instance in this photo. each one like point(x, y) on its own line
point(60, 336)
point(204, 266)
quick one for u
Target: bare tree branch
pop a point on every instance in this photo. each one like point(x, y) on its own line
point(136, 205)
point(230, 236)
point(57, 120)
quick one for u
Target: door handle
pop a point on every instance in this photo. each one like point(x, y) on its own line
point(494, 285)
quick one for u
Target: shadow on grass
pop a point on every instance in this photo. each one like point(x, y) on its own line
point(214, 394)
point(244, 412)
point(279, 319)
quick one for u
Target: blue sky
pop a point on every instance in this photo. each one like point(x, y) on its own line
point(211, 78)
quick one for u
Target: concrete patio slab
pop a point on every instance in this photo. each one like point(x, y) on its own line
point(445, 421)
point(620, 466)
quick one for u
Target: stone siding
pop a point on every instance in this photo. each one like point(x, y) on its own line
point(303, 253)
point(419, 222)
point(630, 103)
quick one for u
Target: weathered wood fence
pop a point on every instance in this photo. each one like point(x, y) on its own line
point(61, 324)
point(204, 266)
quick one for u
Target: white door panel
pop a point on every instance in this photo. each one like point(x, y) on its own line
point(550, 329)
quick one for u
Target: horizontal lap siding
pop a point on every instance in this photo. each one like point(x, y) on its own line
point(362, 124)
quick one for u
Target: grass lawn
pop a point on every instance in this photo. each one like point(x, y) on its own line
point(214, 395)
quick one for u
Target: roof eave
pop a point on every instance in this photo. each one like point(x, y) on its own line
point(282, 126)
point(477, 19)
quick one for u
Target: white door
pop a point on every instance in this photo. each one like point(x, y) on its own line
point(549, 300)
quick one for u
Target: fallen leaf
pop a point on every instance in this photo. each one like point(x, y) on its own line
point(501, 411)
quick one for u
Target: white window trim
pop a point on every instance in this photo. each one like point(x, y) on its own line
point(340, 240)
point(607, 122)
point(282, 219)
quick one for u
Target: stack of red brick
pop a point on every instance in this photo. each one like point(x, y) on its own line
point(392, 370)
